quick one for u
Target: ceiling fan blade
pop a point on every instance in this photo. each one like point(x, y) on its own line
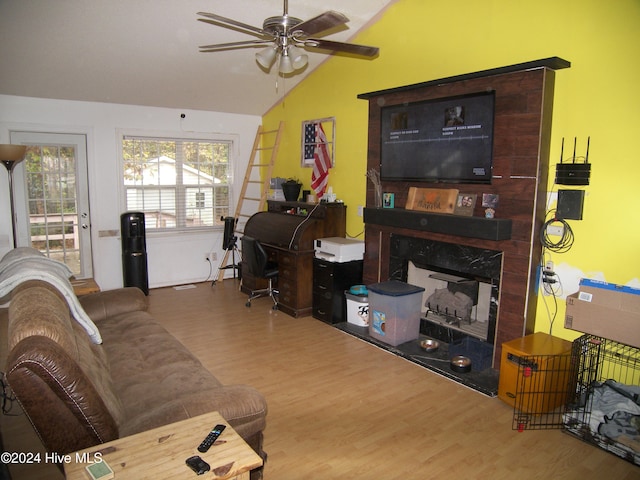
point(322, 22)
point(225, 46)
point(230, 21)
point(362, 50)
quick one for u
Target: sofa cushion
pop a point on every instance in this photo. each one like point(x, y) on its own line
point(28, 265)
point(159, 381)
point(41, 311)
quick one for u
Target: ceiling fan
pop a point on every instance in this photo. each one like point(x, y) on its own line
point(284, 37)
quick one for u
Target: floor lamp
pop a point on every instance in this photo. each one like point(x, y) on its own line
point(11, 155)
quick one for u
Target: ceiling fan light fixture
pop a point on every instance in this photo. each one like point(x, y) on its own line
point(288, 37)
point(298, 58)
point(286, 65)
point(267, 56)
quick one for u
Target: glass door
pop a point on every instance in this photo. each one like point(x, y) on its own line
point(57, 199)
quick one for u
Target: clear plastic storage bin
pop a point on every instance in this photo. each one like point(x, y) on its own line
point(394, 311)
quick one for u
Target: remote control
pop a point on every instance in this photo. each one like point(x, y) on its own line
point(211, 438)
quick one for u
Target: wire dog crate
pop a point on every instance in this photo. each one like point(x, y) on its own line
point(605, 409)
point(536, 378)
point(545, 385)
point(592, 392)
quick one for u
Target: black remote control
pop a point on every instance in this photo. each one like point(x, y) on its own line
point(211, 438)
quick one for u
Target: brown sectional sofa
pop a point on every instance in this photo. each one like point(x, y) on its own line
point(78, 393)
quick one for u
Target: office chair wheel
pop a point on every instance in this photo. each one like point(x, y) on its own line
point(275, 307)
point(248, 304)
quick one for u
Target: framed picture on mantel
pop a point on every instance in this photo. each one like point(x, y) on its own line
point(465, 204)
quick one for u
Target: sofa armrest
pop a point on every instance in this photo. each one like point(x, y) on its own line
point(102, 305)
point(60, 400)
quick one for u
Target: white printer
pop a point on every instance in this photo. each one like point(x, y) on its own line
point(338, 249)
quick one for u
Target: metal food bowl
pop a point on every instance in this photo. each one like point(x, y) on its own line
point(429, 345)
point(461, 364)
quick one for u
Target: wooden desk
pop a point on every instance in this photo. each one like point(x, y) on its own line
point(287, 232)
point(161, 453)
point(84, 286)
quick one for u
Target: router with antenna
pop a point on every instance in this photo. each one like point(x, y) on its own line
point(572, 172)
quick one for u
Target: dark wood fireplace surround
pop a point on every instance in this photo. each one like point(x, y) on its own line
point(522, 129)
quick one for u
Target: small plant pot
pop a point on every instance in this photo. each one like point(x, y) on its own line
point(291, 191)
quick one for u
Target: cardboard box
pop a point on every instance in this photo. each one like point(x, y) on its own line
point(605, 310)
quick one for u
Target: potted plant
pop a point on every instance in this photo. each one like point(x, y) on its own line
point(291, 189)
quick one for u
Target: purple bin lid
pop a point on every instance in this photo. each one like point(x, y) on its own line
point(394, 288)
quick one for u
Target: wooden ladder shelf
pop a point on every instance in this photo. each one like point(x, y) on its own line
point(258, 175)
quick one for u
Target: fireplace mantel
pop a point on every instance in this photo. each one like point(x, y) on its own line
point(472, 227)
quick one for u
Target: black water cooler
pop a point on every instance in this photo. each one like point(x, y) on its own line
point(134, 251)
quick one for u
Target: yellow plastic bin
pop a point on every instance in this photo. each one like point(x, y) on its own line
point(394, 311)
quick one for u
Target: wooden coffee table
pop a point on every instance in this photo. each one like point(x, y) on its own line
point(161, 453)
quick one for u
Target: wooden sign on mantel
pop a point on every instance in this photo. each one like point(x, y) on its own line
point(436, 200)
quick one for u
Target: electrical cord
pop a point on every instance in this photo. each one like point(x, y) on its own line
point(306, 219)
point(564, 243)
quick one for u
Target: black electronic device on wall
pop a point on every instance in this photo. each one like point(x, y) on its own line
point(573, 173)
point(570, 204)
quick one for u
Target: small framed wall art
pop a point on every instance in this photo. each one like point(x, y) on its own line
point(318, 138)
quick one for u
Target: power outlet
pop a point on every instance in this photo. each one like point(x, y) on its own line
point(211, 256)
point(360, 210)
point(549, 279)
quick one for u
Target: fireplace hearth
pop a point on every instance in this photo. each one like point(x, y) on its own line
point(484, 381)
point(465, 272)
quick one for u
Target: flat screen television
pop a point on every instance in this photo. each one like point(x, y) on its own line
point(442, 140)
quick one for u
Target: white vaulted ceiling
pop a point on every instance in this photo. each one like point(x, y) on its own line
point(145, 52)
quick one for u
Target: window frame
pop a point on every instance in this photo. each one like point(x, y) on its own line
point(230, 139)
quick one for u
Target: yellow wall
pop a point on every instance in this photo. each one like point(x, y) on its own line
point(598, 96)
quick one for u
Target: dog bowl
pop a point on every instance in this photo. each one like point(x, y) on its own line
point(429, 345)
point(461, 364)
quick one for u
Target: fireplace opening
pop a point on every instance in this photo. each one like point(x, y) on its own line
point(461, 286)
point(451, 301)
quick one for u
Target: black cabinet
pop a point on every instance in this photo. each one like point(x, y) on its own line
point(330, 280)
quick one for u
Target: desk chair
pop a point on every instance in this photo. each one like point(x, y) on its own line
point(256, 260)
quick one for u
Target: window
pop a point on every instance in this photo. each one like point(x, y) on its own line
point(179, 184)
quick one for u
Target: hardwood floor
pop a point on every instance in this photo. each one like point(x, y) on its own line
point(342, 408)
